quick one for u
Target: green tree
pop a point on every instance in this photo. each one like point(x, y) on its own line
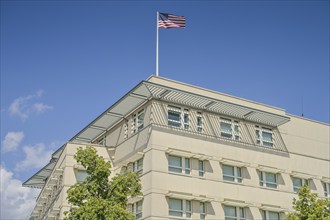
point(309, 207)
point(97, 197)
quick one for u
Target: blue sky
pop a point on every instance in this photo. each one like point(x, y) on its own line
point(64, 62)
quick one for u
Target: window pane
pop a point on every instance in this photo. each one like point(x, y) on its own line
point(274, 216)
point(188, 206)
point(187, 166)
point(267, 136)
point(297, 182)
point(175, 170)
point(230, 211)
point(175, 204)
point(81, 175)
point(228, 170)
point(264, 215)
point(175, 161)
point(175, 116)
point(239, 172)
point(270, 177)
point(241, 213)
point(175, 213)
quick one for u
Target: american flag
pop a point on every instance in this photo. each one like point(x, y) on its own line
point(171, 21)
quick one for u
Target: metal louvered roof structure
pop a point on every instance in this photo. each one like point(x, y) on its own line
point(144, 92)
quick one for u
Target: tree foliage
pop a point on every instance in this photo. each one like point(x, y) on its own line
point(97, 197)
point(309, 207)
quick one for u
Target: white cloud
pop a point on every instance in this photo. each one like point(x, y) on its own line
point(12, 141)
point(24, 106)
point(36, 156)
point(17, 202)
point(40, 107)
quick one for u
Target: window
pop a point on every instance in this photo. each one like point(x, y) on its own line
point(125, 130)
point(201, 168)
point(179, 208)
point(234, 213)
point(231, 173)
point(136, 209)
point(137, 166)
point(298, 182)
point(229, 128)
point(178, 164)
point(174, 116)
point(138, 121)
point(264, 136)
point(202, 210)
point(81, 175)
point(199, 122)
point(178, 118)
point(268, 215)
point(267, 179)
point(326, 187)
point(186, 119)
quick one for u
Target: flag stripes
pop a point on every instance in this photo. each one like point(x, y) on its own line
point(171, 21)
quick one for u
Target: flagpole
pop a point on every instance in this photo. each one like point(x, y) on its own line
point(157, 45)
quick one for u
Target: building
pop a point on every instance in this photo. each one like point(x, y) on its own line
point(200, 154)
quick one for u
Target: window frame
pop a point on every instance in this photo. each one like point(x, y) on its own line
point(201, 168)
point(80, 175)
point(260, 140)
point(326, 189)
point(199, 122)
point(263, 180)
point(265, 214)
point(185, 167)
point(233, 134)
point(302, 180)
point(236, 178)
point(184, 212)
point(237, 213)
point(202, 210)
point(137, 166)
point(134, 208)
point(137, 124)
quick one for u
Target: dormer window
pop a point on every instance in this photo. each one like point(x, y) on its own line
point(264, 136)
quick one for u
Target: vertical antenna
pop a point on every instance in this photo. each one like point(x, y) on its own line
point(302, 106)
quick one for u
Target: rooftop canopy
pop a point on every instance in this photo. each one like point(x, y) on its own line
point(144, 92)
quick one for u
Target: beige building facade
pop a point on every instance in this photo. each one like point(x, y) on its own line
point(200, 154)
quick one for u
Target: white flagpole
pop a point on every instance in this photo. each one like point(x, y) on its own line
point(157, 45)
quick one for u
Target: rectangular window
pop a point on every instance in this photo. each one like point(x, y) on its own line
point(267, 179)
point(178, 117)
point(81, 175)
point(229, 128)
point(177, 164)
point(234, 213)
point(138, 166)
point(202, 211)
point(326, 187)
point(264, 136)
point(231, 173)
point(174, 116)
point(174, 164)
point(199, 122)
point(186, 119)
point(125, 130)
point(298, 182)
point(180, 208)
point(136, 209)
point(138, 121)
point(269, 215)
point(201, 168)
point(187, 166)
